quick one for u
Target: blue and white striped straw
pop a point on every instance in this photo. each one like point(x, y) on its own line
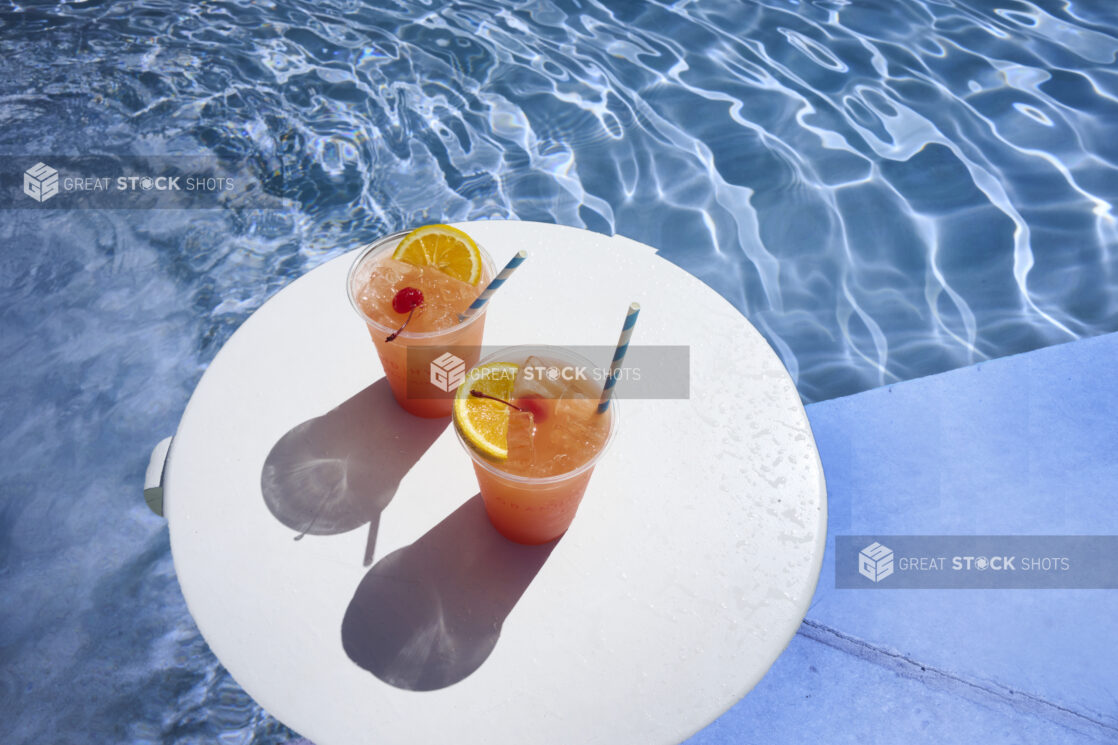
point(499, 280)
point(619, 356)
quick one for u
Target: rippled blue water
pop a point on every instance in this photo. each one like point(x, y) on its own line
point(886, 189)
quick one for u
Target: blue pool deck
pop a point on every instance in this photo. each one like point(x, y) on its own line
point(1023, 445)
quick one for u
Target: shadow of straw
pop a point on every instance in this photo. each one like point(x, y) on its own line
point(338, 471)
point(428, 615)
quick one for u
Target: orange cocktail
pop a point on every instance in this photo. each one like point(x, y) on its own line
point(411, 303)
point(528, 417)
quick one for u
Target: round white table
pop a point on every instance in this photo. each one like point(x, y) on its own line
point(334, 553)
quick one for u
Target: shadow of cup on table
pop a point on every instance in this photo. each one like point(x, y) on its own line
point(428, 615)
point(336, 472)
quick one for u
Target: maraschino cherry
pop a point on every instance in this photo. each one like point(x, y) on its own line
point(405, 301)
point(533, 405)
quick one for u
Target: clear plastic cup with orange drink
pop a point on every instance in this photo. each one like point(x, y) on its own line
point(411, 291)
point(529, 419)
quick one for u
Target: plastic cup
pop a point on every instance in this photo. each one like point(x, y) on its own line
point(527, 509)
point(407, 359)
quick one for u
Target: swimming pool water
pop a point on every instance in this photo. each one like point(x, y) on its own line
point(885, 189)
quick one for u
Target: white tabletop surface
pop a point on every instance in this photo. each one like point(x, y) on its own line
point(687, 570)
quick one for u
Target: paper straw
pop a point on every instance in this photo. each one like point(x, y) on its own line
point(619, 355)
point(499, 280)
